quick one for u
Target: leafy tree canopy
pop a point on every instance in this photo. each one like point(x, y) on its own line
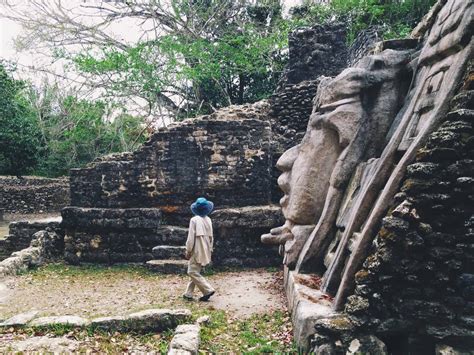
point(396, 18)
point(47, 131)
point(18, 131)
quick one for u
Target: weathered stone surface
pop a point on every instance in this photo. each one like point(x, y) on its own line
point(45, 245)
point(418, 279)
point(172, 235)
point(442, 349)
point(19, 320)
point(74, 321)
point(364, 44)
point(315, 51)
point(109, 323)
point(186, 340)
point(410, 286)
point(306, 303)
point(226, 156)
point(203, 320)
point(367, 345)
point(168, 252)
point(194, 161)
point(20, 261)
point(120, 235)
point(112, 218)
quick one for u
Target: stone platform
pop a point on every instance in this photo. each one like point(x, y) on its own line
point(112, 235)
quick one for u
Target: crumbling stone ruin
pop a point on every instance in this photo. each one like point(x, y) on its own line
point(124, 206)
point(376, 144)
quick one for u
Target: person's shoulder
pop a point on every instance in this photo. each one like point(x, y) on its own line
point(208, 219)
point(194, 219)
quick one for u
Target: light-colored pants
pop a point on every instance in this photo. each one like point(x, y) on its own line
point(194, 272)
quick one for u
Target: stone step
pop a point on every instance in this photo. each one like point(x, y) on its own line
point(168, 252)
point(168, 266)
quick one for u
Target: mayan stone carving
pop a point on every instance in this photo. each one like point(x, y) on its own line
point(351, 116)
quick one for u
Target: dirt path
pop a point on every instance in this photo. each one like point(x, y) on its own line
point(104, 293)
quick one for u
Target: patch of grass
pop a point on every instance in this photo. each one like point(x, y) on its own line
point(89, 270)
point(56, 329)
point(267, 333)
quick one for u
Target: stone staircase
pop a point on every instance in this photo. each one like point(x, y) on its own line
point(169, 258)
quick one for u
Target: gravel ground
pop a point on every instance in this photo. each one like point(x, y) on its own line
point(65, 291)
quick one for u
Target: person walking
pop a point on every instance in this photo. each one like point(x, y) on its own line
point(199, 247)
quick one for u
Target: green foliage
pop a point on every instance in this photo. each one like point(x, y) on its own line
point(238, 61)
point(78, 131)
point(396, 17)
point(18, 130)
point(47, 132)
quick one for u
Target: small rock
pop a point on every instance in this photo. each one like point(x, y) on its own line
point(186, 340)
point(370, 345)
point(203, 320)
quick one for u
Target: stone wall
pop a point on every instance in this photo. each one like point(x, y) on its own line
point(33, 194)
point(364, 44)
point(289, 112)
point(291, 108)
point(227, 161)
point(315, 51)
point(104, 235)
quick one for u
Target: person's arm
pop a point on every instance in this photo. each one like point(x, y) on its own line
point(191, 239)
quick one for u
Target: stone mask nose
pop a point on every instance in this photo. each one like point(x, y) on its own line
point(285, 163)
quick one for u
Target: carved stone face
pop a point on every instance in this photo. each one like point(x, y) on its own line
point(307, 167)
point(350, 119)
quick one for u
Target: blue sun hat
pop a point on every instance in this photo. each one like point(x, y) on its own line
point(202, 207)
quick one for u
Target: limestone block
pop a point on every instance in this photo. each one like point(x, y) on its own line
point(186, 340)
point(109, 323)
point(158, 319)
point(41, 345)
point(306, 305)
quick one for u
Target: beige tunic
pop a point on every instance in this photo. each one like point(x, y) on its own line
point(200, 240)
